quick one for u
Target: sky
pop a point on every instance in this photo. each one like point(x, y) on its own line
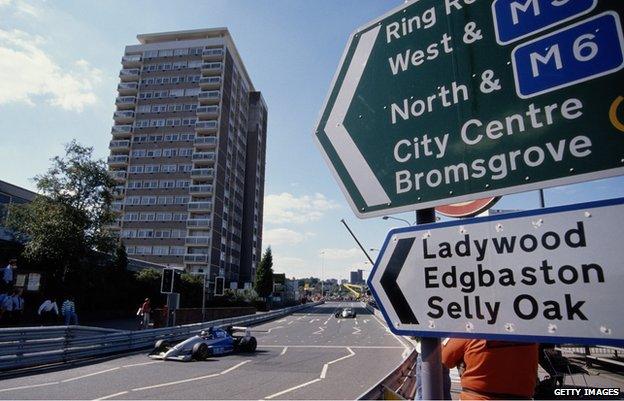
point(59, 66)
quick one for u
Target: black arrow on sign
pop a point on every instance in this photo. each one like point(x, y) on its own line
point(389, 281)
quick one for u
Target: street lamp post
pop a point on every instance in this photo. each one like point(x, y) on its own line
point(322, 274)
point(399, 219)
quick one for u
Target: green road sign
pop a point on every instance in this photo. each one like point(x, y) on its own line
point(445, 101)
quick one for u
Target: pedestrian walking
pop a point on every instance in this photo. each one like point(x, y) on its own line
point(18, 307)
point(494, 369)
point(144, 312)
point(8, 276)
point(48, 312)
point(68, 310)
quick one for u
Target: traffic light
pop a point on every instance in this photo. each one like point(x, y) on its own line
point(166, 285)
point(219, 286)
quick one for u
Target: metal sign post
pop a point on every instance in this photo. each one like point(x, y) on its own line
point(431, 370)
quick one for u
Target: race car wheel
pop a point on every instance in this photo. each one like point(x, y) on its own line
point(251, 345)
point(337, 315)
point(160, 345)
point(200, 351)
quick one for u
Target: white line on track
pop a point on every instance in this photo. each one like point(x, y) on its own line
point(111, 396)
point(89, 375)
point(288, 390)
point(284, 351)
point(291, 322)
point(321, 377)
point(273, 328)
point(320, 330)
point(141, 364)
point(394, 335)
point(192, 378)
point(326, 366)
point(28, 386)
point(357, 330)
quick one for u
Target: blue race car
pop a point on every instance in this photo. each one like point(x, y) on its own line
point(212, 342)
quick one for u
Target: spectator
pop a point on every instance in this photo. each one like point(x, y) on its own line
point(144, 311)
point(7, 309)
point(494, 369)
point(3, 296)
point(68, 310)
point(48, 311)
point(18, 307)
point(7, 275)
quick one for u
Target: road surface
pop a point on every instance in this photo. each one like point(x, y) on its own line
point(307, 355)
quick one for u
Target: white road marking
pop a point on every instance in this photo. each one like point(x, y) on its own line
point(291, 322)
point(300, 317)
point(388, 330)
point(89, 375)
point(326, 366)
point(320, 330)
point(281, 321)
point(273, 328)
point(321, 377)
point(176, 382)
point(111, 396)
point(235, 367)
point(366, 320)
point(284, 351)
point(141, 364)
point(356, 321)
point(288, 390)
point(192, 378)
point(28, 386)
point(357, 330)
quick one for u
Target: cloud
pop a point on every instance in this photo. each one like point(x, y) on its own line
point(342, 254)
point(283, 236)
point(288, 208)
point(27, 73)
point(21, 8)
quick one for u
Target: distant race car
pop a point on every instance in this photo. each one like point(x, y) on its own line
point(212, 342)
point(346, 313)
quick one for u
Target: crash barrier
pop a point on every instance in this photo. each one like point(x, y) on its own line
point(37, 346)
point(195, 315)
point(599, 355)
point(400, 383)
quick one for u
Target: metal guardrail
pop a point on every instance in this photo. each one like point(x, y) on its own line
point(400, 383)
point(612, 357)
point(36, 346)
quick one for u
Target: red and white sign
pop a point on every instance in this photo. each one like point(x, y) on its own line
point(467, 209)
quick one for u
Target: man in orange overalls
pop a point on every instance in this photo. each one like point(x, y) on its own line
point(494, 369)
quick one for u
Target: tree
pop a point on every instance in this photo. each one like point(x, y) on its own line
point(120, 260)
point(264, 275)
point(68, 221)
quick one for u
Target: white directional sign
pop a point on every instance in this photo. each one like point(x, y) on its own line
point(551, 275)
